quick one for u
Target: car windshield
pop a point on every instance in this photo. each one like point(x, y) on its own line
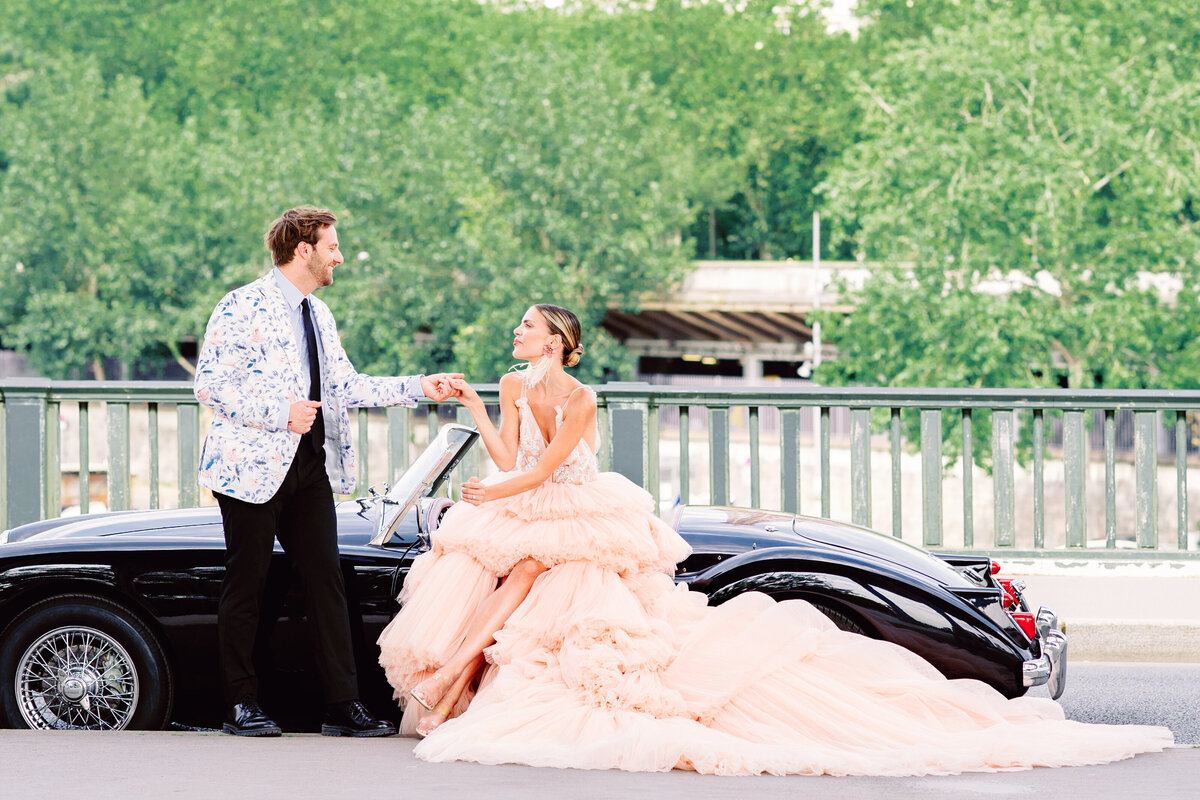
point(424, 477)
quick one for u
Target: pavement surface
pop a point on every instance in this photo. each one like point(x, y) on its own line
point(1135, 694)
point(136, 765)
point(198, 764)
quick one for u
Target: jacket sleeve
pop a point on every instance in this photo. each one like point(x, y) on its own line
point(227, 361)
point(357, 390)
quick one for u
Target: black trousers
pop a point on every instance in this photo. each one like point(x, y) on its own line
point(301, 515)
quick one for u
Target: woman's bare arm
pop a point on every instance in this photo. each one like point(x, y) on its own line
point(501, 444)
point(579, 414)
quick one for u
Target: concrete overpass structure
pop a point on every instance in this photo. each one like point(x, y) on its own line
point(751, 319)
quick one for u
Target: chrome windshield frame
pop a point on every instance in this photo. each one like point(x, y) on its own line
point(423, 478)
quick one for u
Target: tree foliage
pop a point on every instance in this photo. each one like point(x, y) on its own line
point(1028, 170)
point(480, 160)
point(1031, 174)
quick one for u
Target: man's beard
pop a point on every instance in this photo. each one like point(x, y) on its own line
point(318, 269)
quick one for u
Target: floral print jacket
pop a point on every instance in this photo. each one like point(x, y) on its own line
point(249, 367)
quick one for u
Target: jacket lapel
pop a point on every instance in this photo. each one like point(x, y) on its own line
point(280, 315)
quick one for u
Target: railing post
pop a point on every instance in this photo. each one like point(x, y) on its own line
point(897, 476)
point(627, 437)
point(24, 448)
point(1145, 465)
point(718, 455)
point(826, 498)
point(152, 430)
point(362, 478)
point(755, 468)
point(1039, 480)
point(931, 476)
point(789, 460)
point(1075, 478)
point(1181, 508)
point(685, 456)
point(1004, 482)
point(187, 417)
point(117, 417)
point(968, 478)
point(860, 466)
point(1110, 479)
point(652, 440)
point(53, 504)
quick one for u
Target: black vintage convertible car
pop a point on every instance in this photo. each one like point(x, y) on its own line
point(108, 621)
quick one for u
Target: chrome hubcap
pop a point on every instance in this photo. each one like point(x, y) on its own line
point(73, 689)
point(76, 678)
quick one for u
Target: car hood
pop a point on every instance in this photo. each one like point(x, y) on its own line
point(113, 523)
point(160, 526)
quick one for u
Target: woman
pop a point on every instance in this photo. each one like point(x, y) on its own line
point(557, 579)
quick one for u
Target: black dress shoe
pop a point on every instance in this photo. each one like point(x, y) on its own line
point(247, 719)
point(353, 719)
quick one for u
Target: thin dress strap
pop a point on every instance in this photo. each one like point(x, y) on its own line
point(572, 394)
point(560, 408)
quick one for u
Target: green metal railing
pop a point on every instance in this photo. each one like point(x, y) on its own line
point(758, 447)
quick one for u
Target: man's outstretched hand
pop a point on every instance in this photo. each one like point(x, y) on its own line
point(440, 386)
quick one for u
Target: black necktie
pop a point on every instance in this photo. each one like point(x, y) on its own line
point(317, 434)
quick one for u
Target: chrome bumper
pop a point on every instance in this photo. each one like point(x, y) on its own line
point(1051, 667)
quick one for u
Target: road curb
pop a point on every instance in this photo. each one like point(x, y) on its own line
point(1165, 641)
point(1136, 610)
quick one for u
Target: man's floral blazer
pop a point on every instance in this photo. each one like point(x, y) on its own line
point(249, 367)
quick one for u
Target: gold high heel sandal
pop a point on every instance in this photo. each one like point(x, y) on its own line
point(426, 698)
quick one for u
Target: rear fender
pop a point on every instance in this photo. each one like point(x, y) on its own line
point(960, 638)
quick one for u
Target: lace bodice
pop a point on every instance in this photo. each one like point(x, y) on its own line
point(579, 467)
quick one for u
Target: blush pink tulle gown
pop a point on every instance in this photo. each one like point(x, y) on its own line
point(607, 664)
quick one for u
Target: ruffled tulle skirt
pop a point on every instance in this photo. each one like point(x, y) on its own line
point(609, 664)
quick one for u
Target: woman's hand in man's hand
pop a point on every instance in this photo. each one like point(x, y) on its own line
point(464, 393)
point(440, 387)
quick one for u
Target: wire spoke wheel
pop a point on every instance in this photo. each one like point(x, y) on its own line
point(74, 678)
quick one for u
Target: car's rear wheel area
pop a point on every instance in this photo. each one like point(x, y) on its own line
point(840, 618)
point(83, 662)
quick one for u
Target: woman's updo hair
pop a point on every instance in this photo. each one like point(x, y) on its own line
point(566, 325)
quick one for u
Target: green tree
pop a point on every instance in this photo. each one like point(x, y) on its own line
point(758, 89)
point(96, 272)
point(1032, 172)
point(558, 180)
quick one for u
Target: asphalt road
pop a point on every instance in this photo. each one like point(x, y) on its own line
point(178, 764)
point(1141, 694)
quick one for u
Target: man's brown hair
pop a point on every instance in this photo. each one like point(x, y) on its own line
point(296, 225)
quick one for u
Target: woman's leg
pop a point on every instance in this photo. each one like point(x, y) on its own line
point(490, 618)
point(441, 712)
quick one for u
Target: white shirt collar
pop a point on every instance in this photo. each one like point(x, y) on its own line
point(291, 294)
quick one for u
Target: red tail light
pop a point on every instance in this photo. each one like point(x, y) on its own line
point(995, 567)
point(1009, 599)
point(1025, 622)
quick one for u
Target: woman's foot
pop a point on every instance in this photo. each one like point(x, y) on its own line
point(430, 690)
point(431, 721)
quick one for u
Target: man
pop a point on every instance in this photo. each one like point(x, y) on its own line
point(274, 373)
